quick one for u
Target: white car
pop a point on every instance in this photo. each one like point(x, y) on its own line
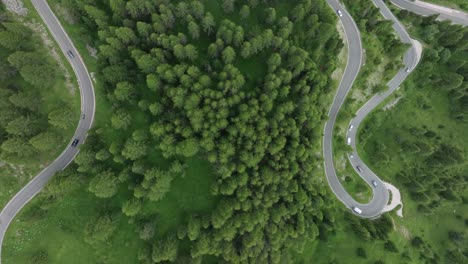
point(348, 141)
point(374, 183)
point(351, 156)
point(407, 70)
point(339, 13)
point(350, 127)
point(357, 210)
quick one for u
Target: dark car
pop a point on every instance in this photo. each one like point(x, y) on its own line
point(75, 142)
point(359, 168)
point(70, 54)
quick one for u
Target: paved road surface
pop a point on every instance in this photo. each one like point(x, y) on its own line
point(427, 9)
point(87, 107)
point(411, 58)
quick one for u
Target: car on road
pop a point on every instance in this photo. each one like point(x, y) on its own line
point(407, 70)
point(75, 142)
point(339, 13)
point(351, 156)
point(348, 141)
point(83, 116)
point(350, 127)
point(374, 183)
point(359, 168)
point(70, 54)
point(357, 210)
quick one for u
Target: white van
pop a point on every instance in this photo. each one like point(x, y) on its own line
point(357, 210)
point(348, 141)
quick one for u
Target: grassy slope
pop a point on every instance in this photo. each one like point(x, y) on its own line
point(342, 246)
point(406, 114)
point(433, 229)
point(455, 4)
point(14, 177)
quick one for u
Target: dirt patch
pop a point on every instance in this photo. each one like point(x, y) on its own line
point(92, 51)
point(18, 170)
point(395, 201)
point(359, 95)
point(404, 232)
point(373, 79)
point(401, 229)
point(15, 6)
point(341, 164)
point(364, 57)
point(93, 76)
point(392, 103)
point(377, 74)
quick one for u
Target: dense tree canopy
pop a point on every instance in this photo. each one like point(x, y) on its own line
point(188, 80)
point(27, 124)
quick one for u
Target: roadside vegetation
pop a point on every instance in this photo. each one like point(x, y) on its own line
point(37, 107)
point(213, 142)
point(419, 146)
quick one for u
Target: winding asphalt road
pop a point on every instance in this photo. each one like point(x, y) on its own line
point(380, 198)
point(411, 58)
point(84, 124)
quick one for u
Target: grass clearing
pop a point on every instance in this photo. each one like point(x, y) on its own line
point(56, 229)
point(455, 4)
point(189, 194)
point(354, 184)
point(341, 247)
